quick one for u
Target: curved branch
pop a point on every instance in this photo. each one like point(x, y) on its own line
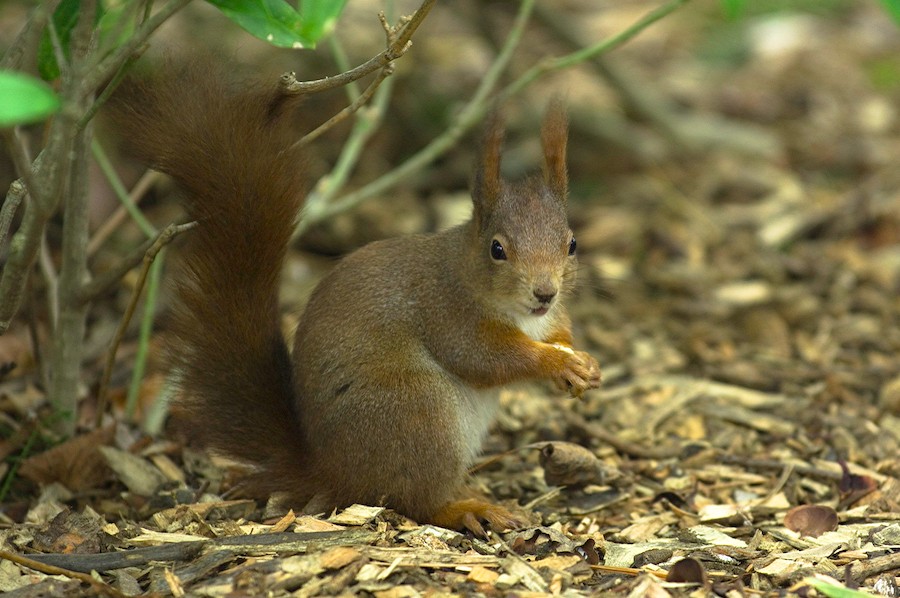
point(395, 50)
point(471, 113)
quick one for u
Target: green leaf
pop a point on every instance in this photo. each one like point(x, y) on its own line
point(24, 99)
point(320, 16)
point(733, 8)
point(834, 591)
point(114, 34)
point(893, 8)
point(278, 23)
point(65, 17)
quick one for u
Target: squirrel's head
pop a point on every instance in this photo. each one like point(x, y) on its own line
point(524, 240)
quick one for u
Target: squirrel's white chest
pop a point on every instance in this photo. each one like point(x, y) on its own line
point(535, 327)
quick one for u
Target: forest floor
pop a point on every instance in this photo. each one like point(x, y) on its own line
point(736, 200)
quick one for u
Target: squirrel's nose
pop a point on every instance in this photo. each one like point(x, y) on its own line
point(544, 295)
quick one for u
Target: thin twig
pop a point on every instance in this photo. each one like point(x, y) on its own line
point(393, 52)
point(118, 188)
point(110, 88)
point(477, 107)
point(26, 244)
point(137, 193)
point(146, 330)
point(51, 169)
point(96, 584)
point(51, 280)
point(358, 99)
point(779, 485)
point(568, 60)
point(467, 118)
point(19, 153)
point(636, 97)
point(11, 205)
point(365, 124)
point(29, 37)
point(108, 66)
point(163, 238)
point(775, 464)
point(629, 571)
point(58, 53)
point(102, 283)
point(862, 570)
point(626, 448)
point(358, 103)
point(343, 64)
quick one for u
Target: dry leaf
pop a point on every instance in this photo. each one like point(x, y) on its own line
point(139, 475)
point(70, 532)
point(588, 551)
point(811, 520)
point(76, 464)
point(853, 487)
point(687, 570)
point(568, 464)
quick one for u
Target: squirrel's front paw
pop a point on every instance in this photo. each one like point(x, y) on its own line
point(580, 372)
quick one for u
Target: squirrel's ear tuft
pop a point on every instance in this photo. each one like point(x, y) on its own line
point(554, 136)
point(487, 174)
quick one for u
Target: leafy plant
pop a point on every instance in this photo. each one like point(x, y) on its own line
point(90, 43)
point(84, 46)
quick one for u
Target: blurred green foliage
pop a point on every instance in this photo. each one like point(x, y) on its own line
point(25, 99)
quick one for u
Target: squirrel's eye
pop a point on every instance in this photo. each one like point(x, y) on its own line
point(497, 251)
point(572, 246)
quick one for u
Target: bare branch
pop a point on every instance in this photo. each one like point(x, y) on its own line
point(568, 60)
point(108, 66)
point(395, 50)
point(14, 197)
point(25, 245)
point(51, 280)
point(29, 36)
point(17, 150)
point(478, 105)
point(147, 180)
point(467, 118)
point(358, 103)
point(98, 586)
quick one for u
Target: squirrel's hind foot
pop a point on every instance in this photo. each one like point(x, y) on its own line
point(469, 513)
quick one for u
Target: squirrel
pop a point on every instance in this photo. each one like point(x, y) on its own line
point(391, 385)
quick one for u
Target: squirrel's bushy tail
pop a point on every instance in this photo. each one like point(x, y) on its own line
point(230, 148)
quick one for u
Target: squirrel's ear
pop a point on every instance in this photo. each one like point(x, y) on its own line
point(554, 135)
point(487, 174)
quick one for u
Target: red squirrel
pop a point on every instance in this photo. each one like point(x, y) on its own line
point(391, 385)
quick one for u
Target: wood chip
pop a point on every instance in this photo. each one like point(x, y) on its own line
point(138, 474)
